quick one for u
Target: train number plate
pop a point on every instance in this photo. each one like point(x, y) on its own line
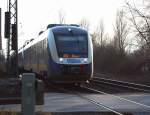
point(73, 61)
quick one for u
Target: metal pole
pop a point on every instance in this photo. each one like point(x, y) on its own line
point(0, 32)
point(1, 53)
point(17, 37)
point(8, 45)
point(13, 39)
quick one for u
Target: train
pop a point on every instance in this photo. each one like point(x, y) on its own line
point(61, 53)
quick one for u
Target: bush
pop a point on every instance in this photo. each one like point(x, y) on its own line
point(107, 59)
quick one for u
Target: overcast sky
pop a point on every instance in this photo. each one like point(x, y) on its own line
point(35, 15)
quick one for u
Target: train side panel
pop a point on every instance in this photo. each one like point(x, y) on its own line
point(34, 58)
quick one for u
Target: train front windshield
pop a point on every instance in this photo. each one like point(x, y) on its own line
point(72, 46)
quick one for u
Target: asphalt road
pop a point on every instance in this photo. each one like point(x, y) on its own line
point(62, 102)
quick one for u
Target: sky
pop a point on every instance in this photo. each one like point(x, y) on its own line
point(35, 15)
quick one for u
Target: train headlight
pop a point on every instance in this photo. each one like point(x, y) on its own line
point(85, 60)
point(61, 59)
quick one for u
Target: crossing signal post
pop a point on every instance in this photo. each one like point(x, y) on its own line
point(7, 36)
point(7, 25)
point(14, 37)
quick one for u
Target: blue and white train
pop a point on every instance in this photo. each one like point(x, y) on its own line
point(62, 53)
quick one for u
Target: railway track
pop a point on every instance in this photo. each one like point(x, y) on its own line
point(99, 79)
point(81, 95)
point(97, 101)
point(147, 107)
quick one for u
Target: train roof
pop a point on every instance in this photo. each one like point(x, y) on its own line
point(32, 41)
point(55, 25)
point(66, 29)
point(57, 29)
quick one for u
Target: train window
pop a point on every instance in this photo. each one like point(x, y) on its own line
point(43, 48)
point(46, 43)
point(27, 56)
point(34, 55)
point(31, 53)
point(40, 50)
point(74, 46)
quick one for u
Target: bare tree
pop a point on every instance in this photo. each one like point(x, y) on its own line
point(120, 32)
point(94, 36)
point(62, 19)
point(140, 19)
point(100, 34)
point(146, 3)
point(84, 23)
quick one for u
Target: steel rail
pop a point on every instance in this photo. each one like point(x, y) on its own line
point(122, 82)
point(120, 98)
point(88, 99)
point(99, 104)
point(99, 74)
point(121, 85)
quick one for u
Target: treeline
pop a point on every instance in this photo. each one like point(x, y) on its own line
point(108, 59)
point(128, 50)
